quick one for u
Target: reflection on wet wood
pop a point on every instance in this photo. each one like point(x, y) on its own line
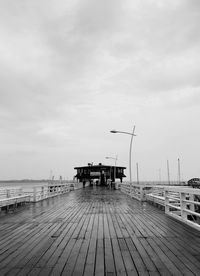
point(96, 231)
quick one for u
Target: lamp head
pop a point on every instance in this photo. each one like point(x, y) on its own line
point(113, 131)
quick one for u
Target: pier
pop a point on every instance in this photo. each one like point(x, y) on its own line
point(96, 231)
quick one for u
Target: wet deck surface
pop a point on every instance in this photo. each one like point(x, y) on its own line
point(96, 231)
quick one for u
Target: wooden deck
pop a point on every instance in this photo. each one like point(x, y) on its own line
point(95, 231)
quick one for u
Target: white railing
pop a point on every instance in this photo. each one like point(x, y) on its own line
point(179, 202)
point(36, 193)
point(51, 189)
point(137, 191)
point(55, 189)
point(125, 188)
point(150, 190)
point(163, 183)
point(183, 204)
point(12, 196)
point(156, 196)
point(47, 190)
point(10, 192)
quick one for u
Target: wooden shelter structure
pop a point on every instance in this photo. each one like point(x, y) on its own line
point(100, 173)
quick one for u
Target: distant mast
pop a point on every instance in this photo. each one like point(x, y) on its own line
point(179, 172)
point(159, 176)
point(50, 175)
point(168, 172)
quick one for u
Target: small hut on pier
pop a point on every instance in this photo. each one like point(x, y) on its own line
point(100, 173)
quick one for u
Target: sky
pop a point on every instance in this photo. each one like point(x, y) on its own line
point(71, 71)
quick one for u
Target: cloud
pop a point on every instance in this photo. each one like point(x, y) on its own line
point(72, 70)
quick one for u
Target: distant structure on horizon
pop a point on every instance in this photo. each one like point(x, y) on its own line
point(99, 173)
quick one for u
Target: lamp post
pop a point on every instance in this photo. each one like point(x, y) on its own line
point(137, 170)
point(131, 141)
point(114, 158)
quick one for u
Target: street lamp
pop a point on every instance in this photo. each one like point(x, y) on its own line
point(114, 158)
point(131, 141)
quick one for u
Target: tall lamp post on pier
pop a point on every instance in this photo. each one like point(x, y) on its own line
point(130, 149)
point(114, 158)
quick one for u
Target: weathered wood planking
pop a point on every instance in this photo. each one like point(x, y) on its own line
point(96, 231)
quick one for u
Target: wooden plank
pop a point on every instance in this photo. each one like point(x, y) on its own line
point(58, 247)
point(149, 262)
point(128, 262)
point(119, 262)
point(70, 251)
point(114, 263)
point(188, 259)
point(177, 260)
point(160, 265)
point(118, 230)
point(112, 232)
point(30, 258)
point(99, 264)
point(85, 236)
point(59, 266)
point(91, 255)
point(81, 258)
point(109, 258)
point(138, 262)
point(96, 231)
point(173, 268)
point(71, 261)
point(24, 248)
point(47, 225)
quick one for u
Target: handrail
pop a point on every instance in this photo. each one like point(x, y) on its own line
point(51, 189)
point(180, 202)
point(185, 207)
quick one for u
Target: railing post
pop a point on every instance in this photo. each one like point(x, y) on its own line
point(7, 193)
point(34, 194)
point(42, 194)
point(191, 197)
point(142, 193)
point(183, 206)
point(166, 194)
point(48, 191)
point(131, 190)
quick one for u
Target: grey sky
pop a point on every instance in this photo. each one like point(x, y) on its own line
point(73, 70)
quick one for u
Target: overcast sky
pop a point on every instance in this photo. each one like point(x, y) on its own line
point(72, 70)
